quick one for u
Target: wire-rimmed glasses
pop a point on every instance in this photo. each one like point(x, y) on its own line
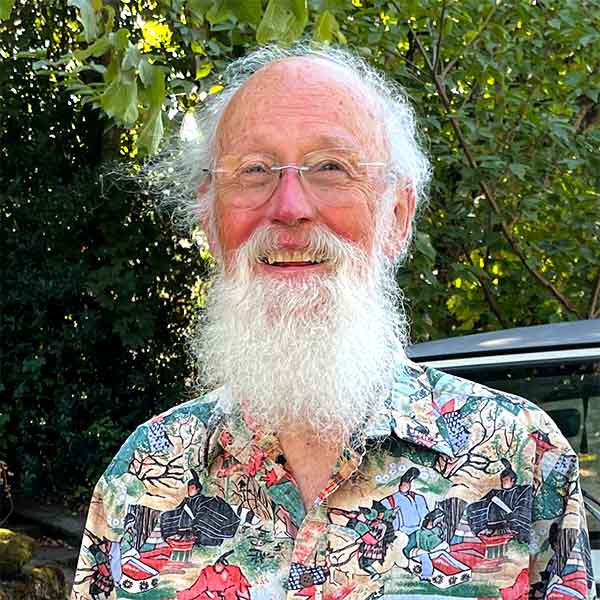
point(330, 176)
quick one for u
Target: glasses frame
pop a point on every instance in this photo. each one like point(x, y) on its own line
point(300, 168)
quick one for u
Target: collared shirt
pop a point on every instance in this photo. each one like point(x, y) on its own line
point(197, 506)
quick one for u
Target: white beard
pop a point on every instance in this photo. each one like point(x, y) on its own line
point(315, 353)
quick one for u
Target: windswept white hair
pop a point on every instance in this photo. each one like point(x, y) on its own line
point(178, 170)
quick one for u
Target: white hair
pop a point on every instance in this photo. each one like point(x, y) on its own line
point(317, 353)
point(179, 169)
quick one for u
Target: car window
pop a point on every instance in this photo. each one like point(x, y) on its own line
point(570, 393)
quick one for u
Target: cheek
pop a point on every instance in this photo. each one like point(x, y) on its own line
point(235, 227)
point(353, 224)
point(358, 221)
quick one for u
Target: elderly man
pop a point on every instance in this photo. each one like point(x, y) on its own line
point(307, 181)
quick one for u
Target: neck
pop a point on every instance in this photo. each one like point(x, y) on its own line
point(311, 460)
point(307, 438)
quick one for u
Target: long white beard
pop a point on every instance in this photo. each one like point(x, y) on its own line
point(314, 354)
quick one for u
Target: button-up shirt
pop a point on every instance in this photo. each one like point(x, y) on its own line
point(197, 505)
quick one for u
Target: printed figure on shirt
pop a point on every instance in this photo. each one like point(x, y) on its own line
point(424, 541)
point(567, 571)
point(124, 549)
point(207, 520)
point(219, 581)
point(409, 506)
point(101, 579)
point(504, 510)
point(373, 531)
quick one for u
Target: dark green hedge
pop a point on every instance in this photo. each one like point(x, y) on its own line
point(94, 305)
point(94, 298)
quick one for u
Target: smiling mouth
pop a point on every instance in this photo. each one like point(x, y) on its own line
point(296, 258)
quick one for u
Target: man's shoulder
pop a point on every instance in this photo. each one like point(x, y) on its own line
point(455, 402)
point(182, 426)
point(469, 394)
point(203, 408)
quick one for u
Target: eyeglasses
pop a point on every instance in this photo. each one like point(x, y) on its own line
point(331, 176)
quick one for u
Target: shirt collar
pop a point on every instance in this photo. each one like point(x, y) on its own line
point(412, 415)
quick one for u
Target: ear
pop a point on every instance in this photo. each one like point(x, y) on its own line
point(401, 220)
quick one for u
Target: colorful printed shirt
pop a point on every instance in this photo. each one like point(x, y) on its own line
point(458, 491)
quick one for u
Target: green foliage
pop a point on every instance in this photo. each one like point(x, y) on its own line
point(96, 290)
point(16, 550)
point(6, 7)
point(508, 99)
point(284, 22)
point(90, 301)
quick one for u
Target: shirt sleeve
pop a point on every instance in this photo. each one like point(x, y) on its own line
point(94, 577)
point(560, 563)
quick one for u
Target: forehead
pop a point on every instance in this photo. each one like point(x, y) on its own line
point(302, 104)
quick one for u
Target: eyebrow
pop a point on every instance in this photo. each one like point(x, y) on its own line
point(336, 141)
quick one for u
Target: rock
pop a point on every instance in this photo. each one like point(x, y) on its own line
point(16, 549)
point(36, 583)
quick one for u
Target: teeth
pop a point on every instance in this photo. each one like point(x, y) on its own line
point(289, 256)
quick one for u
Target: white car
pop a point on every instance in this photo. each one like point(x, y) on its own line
point(557, 366)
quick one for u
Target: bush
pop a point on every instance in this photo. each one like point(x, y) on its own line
point(94, 306)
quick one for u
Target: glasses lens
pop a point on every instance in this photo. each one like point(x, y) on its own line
point(341, 177)
point(246, 182)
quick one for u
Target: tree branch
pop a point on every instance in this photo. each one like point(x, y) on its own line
point(491, 300)
point(487, 192)
point(475, 89)
point(595, 296)
point(489, 296)
point(410, 63)
point(438, 46)
point(453, 62)
point(589, 114)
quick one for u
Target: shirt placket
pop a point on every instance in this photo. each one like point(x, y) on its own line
point(308, 564)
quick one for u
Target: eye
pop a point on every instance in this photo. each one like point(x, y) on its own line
point(254, 174)
point(329, 172)
point(330, 165)
point(254, 169)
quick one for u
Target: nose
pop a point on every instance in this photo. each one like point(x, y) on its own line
point(290, 202)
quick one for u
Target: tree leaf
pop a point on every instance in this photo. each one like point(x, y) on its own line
point(109, 23)
point(196, 48)
point(152, 133)
point(119, 99)
point(518, 169)
point(326, 27)
point(120, 38)
point(284, 21)
point(146, 71)
point(6, 7)
point(200, 6)
point(100, 46)
point(87, 17)
point(322, 5)
point(248, 11)
point(203, 70)
point(593, 95)
point(157, 89)
point(423, 245)
point(132, 58)
point(219, 12)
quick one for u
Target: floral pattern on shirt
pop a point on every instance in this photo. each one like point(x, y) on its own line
point(458, 491)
